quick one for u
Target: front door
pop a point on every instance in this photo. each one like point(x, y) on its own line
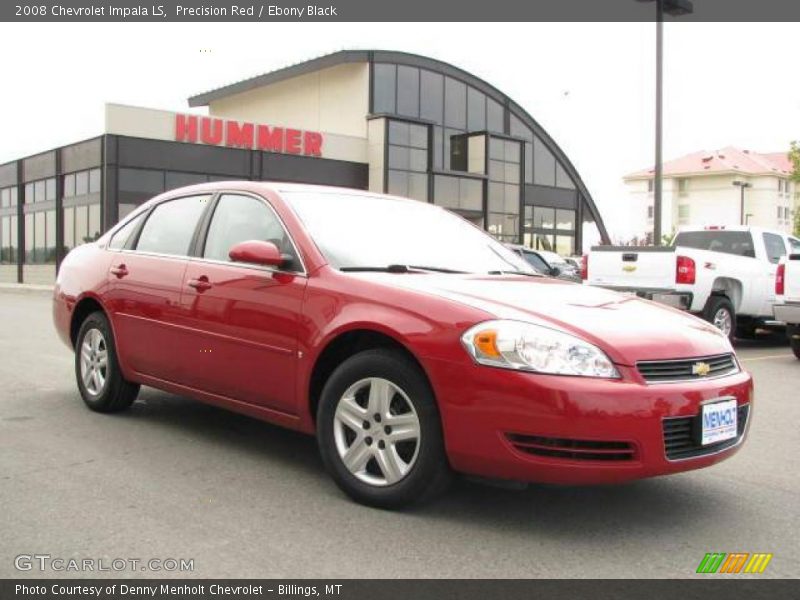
point(244, 318)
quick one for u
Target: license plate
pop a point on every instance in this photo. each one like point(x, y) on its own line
point(719, 422)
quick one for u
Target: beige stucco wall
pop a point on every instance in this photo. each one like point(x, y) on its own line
point(335, 100)
point(376, 133)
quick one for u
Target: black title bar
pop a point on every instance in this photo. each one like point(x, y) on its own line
point(710, 588)
point(397, 10)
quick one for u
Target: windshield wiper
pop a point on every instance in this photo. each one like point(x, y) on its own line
point(515, 273)
point(401, 269)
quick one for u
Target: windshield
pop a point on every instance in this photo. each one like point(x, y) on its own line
point(356, 231)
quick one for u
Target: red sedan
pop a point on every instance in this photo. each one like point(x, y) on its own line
point(410, 342)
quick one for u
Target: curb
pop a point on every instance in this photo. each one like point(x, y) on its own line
point(26, 288)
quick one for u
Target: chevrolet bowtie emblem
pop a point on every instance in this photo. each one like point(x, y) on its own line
point(702, 369)
point(629, 268)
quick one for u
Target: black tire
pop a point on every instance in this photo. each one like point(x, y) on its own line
point(716, 304)
point(429, 474)
point(794, 339)
point(116, 393)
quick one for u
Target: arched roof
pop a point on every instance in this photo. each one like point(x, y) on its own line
point(416, 60)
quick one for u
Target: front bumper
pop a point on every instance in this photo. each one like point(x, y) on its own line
point(788, 312)
point(580, 430)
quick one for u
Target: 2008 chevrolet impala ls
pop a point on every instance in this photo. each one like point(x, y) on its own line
point(410, 342)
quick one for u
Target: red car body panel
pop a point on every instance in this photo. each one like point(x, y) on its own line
point(249, 339)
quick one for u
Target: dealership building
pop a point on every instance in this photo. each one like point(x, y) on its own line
point(384, 121)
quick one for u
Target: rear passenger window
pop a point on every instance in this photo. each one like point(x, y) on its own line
point(240, 219)
point(775, 248)
point(121, 237)
point(170, 227)
point(739, 243)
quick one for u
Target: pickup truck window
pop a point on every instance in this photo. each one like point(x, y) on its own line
point(774, 246)
point(739, 243)
point(794, 246)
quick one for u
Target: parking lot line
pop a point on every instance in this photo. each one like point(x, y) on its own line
point(768, 357)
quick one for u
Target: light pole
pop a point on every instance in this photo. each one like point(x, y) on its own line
point(675, 8)
point(742, 185)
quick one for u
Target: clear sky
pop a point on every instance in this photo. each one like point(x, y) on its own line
point(591, 86)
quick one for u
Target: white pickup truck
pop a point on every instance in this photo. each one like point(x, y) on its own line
point(724, 274)
point(787, 296)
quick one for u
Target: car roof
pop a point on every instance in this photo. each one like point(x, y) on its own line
point(278, 187)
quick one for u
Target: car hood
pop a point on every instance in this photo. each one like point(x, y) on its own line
point(627, 328)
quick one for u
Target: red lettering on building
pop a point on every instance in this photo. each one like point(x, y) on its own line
point(270, 138)
point(312, 143)
point(237, 134)
point(186, 128)
point(211, 131)
point(293, 141)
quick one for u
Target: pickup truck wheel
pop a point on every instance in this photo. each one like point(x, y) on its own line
point(794, 339)
point(379, 431)
point(720, 313)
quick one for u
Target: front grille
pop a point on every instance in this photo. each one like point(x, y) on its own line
point(682, 435)
point(571, 449)
point(657, 371)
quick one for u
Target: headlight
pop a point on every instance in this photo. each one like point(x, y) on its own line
point(528, 347)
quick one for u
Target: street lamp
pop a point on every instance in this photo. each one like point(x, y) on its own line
point(742, 185)
point(675, 8)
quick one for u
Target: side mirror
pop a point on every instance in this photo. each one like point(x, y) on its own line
point(555, 271)
point(257, 253)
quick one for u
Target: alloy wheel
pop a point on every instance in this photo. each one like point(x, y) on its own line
point(94, 362)
point(377, 431)
point(723, 321)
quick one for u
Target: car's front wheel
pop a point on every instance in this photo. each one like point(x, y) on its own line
point(379, 431)
point(100, 380)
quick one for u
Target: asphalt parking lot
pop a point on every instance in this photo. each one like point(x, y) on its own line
point(173, 478)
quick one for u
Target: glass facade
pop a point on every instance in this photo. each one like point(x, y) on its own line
point(505, 157)
point(8, 225)
point(551, 229)
point(522, 170)
point(408, 160)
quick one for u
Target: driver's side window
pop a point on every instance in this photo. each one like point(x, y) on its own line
point(242, 218)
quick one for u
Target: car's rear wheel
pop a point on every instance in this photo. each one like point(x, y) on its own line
point(720, 313)
point(100, 380)
point(379, 431)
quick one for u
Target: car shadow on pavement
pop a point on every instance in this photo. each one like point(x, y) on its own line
point(657, 505)
point(764, 339)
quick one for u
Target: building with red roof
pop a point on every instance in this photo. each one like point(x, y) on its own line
point(699, 189)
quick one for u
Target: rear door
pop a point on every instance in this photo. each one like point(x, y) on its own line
point(145, 282)
point(244, 318)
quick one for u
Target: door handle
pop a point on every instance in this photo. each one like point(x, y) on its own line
point(201, 284)
point(120, 271)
